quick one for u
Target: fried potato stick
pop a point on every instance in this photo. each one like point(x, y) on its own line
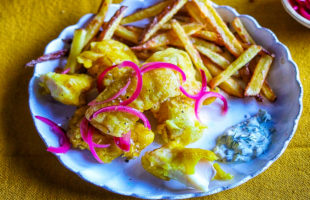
point(168, 37)
point(259, 76)
point(211, 15)
point(242, 60)
point(125, 33)
point(111, 26)
point(189, 47)
point(242, 32)
point(161, 19)
point(93, 27)
point(77, 46)
point(231, 86)
point(214, 57)
point(146, 13)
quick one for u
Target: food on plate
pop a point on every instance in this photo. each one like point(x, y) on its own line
point(193, 167)
point(171, 68)
point(68, 89)
point(111, 26)
point(259, 75)
point(161, 19)
point(246, 140)
point(242, 60)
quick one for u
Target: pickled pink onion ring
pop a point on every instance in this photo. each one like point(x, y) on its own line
point(158, 65)
point(206, 95)
point(304, 13)
point(121, 92)
point(123, 142)
point(63, 140)
point(101, 76)
point(84, 127)
point(87, 135)
point(202, 90)
point(91, 145)
point(66, 71)
point(137, 74)
point(123, 109)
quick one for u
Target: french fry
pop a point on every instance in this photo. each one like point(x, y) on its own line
point(210, 14)
point(183, 19)
point(146, 13)
point(242, 60)
point(259, 76)
point(161, 19)
point(126, 34)
point(77, 46)
point(231, 86)
point(112, 25)
point(268, 92)
point(208, 45)
point(214, 57)
point(94, 25)
point(189, 47)
point(194, 12)
point(242, 32)
point(135, 29)
point(143, 55)
point(210, 36)
point(169, 37)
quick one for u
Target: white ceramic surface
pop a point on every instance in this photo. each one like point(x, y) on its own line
point(130, 178)
point(289, 9)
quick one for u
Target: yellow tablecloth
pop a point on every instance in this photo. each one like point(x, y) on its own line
point(27, 171)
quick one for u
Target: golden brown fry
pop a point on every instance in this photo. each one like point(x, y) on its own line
point(77, 46)
point(208, 45)
point(214, 57)
point(259, 76)
point(231, 86)
point(183, 19)
point(242, 32)
point(161, 19)
point(194, 12)
point(112, 25)
point(242, 60)
point(189, 47)
point(94, 25)
point(146, 13)
point(268, 92)
point(169, 37)
point(210, 36)
point(126, 34)
point(143, 55)
point(210, 14)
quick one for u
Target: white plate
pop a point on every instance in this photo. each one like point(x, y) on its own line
point(130, 178)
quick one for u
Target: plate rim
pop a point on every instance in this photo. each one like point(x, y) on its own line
point(200, 194)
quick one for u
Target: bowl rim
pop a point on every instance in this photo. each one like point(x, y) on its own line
point(200, 194)
point(289, 9)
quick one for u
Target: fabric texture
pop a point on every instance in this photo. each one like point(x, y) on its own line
point(27, 171)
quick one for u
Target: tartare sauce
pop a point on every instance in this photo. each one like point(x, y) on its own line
point(246, 140)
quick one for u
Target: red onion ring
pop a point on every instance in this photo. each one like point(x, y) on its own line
point(63, 140)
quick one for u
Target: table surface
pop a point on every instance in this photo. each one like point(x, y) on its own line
point(27, 171)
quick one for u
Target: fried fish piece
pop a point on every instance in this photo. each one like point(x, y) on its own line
point(68, 89)
point(190, 166)
point(141, 137)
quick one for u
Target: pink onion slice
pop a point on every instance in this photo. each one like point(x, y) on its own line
point(87, 135)
point(123, 142)
point(66, 71)
point(202, 90)
point(160, 65)
point(206, 95)
point(304, 13)
point(123, 109)
point(121, 92)
point(137, 74)
point(91, 145)
point(63, 140)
